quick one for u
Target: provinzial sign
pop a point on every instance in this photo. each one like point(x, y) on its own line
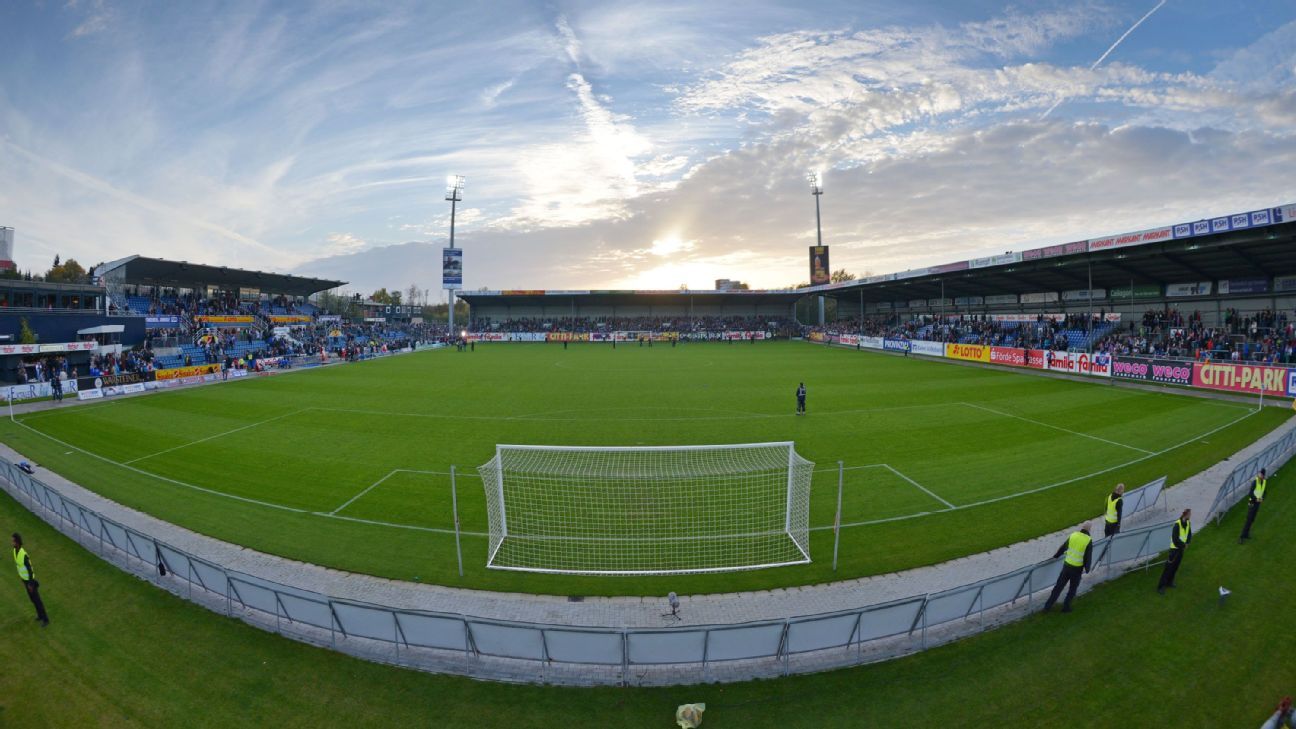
point(895, 345)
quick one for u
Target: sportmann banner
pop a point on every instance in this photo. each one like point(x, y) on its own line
point(178, 373)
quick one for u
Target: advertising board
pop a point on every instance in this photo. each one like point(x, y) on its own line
point(970, 352)
point(1165, 371)
point(1237, 377)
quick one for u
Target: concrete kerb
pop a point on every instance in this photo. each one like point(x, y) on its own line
point(1197, 492)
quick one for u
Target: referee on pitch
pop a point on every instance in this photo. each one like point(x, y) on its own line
point(1253, 503)
point(1115, 510)
point(801, 396)
point(28, 577)
point(1078, 549)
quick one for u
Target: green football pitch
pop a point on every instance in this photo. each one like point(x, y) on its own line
point(348, 466)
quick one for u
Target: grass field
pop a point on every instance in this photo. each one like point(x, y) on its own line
point(347, 466)
point(120, 652)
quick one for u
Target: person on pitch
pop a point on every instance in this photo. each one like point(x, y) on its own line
point(801, 397)
point(1253, 503)
point(1078, 549)
point(1180, 536)
point(28, 577)
point(1115, 508)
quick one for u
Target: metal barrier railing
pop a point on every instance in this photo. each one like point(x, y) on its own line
point(456, 643)
point(1238, 483)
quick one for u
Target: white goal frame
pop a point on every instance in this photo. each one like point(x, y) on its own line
point(789, 521)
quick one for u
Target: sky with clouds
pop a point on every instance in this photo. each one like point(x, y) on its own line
point(630, 144)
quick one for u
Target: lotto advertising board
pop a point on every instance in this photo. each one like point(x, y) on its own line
point(1236, 377)
point(969, 352)
point(1165, 371)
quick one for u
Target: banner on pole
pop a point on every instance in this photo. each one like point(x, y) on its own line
point(451, 269)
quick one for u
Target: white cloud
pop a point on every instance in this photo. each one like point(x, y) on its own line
point(341, 244)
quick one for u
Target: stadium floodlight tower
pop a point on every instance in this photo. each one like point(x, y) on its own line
point(454, 194)
point(816, 188)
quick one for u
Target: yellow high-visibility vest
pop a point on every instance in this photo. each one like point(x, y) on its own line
point(1185, 530)
point(1260, 484)
point(1077, 543)
point(20, 558)
point(1112, 516)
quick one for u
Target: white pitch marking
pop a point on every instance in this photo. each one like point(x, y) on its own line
point(920, 487)
point(1047, 486)
point(218, 435)
point(1055, 427)
point(371, 487)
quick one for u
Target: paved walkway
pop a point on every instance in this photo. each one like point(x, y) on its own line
point(1196, 493)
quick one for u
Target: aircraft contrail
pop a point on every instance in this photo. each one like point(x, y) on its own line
point(1108, 52)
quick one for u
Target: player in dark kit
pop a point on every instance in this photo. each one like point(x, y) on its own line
point(801, 396)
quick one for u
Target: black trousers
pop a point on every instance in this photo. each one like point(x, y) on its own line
point(1109, 528)
point(33, 592)
point(1070, 576)
point(800, 405)
point(1171, 568)
point(1252, 510)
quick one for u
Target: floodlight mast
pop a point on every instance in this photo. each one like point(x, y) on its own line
point(454, 194)
point(816, 188)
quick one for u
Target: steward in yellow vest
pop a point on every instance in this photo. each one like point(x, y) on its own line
point(1180, 536)
point(28, 576)
point(1077, 554)
point(1254, 500)
point(1115, 509)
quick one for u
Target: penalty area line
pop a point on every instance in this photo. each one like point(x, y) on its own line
point(235, 497)
point(218, 435)
point(1055, 427)
point(1046, 487)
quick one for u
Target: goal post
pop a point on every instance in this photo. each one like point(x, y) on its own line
point(647, 509)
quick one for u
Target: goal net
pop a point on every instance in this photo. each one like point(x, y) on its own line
point(647, 510)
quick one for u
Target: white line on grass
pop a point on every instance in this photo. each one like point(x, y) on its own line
point(150, 474)
point(1045, 487)
point(532, 417)
point(435, 530)
point(244, 499)
point(218, 435)
point(371, 487)
point(920, 487)
point(1055, 427)
point(71, 408)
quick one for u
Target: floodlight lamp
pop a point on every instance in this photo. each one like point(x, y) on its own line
point(815, 177)
point(454, 186)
